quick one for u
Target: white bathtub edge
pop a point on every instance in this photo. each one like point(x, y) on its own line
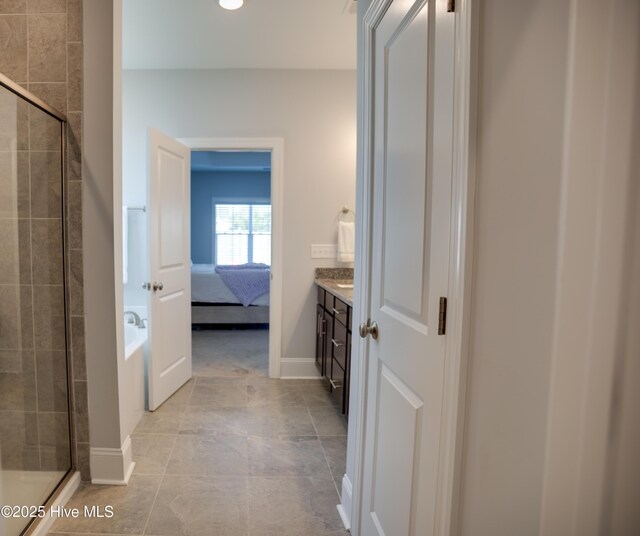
point(138, 342)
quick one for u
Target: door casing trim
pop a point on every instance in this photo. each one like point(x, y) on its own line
point(276, 147)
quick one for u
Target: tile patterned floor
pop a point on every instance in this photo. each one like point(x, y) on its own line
point(231, 453)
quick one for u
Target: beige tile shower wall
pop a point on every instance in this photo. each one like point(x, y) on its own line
point(41, 49)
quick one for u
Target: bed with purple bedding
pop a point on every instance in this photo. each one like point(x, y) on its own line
point(230, 294)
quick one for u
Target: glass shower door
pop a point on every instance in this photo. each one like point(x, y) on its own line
point(35, 446)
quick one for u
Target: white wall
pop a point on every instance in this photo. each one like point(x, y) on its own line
point(624, 469)
point(110, 409)
point(521, 92)
point(98, 240)
point(548, 418)
point(315, 113)
point(597, 282)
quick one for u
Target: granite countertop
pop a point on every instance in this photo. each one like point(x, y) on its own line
point(331, 285)
point(330, 278)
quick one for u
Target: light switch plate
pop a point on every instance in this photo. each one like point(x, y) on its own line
point(324, 251)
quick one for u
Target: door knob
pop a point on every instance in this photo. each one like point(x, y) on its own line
point(369, 328)
point(157, 286)
point(146, 286)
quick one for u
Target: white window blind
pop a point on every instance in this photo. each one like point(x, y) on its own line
point(242, 233)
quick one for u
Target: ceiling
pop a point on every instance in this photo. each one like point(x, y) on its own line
point(264, 34)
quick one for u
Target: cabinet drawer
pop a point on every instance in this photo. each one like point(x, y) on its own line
point(347, 376)
point(336, 379)
point(320, 339)
point(328, 332)
point(339, 344)
point(321, 296)
point(341, 311)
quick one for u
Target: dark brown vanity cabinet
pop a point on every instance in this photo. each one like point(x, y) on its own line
point(320, 338)
point(333, 345)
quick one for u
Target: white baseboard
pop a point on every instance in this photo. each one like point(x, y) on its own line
point(344, 508)
point(112, 466)
point(299, 368)
point(343, 517)
point(45, 524)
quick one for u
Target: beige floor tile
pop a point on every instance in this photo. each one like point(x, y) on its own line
point(335, 449)
point(165, 420)
point(338, 483)
point(315, 393)
point(328, 421)
point(219, 455)
point(219, 392)
point(206, 449)
point(181, 396)
point(293, 506)
point(151, 453)
point(131, 507)
point(205, 420)
point(279, 421)
point(198, 506)
point(286, 456)
point(266, 392)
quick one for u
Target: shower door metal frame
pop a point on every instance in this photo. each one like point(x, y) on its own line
point(18, 90)
point(30, 97)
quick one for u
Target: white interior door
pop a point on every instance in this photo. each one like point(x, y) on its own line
point(412, 165)
point(169, 206)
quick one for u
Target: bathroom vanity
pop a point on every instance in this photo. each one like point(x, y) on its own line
point(334, 318)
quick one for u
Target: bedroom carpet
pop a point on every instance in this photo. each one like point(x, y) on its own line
point(230, 453)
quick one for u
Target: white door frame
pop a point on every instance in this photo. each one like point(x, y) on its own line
point(276, 146)
point(461, 258)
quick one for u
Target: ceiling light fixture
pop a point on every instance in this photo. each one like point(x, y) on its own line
point(231, 4)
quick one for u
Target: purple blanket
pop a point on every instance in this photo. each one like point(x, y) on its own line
point(247, 281)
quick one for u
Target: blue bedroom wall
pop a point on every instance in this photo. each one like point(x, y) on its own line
point(208, 185)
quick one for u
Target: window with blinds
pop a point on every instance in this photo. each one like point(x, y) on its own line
point(242, 233)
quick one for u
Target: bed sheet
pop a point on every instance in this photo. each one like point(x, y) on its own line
point(207, 287)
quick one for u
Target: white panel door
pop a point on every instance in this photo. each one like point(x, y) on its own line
point(412, 165)
point(170, 267)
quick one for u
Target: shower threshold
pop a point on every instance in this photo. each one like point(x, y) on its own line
point(23, 488)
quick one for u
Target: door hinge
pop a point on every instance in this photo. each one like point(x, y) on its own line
point(442, 317)
point(451, 6)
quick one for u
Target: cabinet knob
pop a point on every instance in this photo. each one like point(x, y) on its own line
point(157, 286)
point(369, 328)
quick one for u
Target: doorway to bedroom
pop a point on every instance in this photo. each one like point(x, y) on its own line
point(231, 257)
